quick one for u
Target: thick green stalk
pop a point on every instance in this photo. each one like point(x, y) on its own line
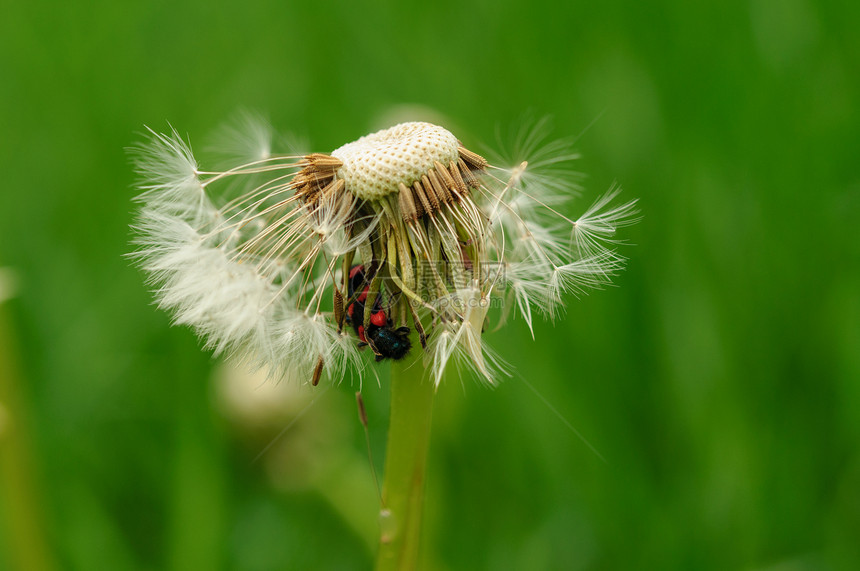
point(19, 485)
point(405, 465)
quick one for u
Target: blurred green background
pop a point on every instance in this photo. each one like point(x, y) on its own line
point(720, 380)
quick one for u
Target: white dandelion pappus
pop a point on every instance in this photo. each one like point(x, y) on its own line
point(295, 262)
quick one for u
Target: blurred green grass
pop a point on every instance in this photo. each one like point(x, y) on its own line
point(721, 379)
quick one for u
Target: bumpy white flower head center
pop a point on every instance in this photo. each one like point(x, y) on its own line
point(376, 164)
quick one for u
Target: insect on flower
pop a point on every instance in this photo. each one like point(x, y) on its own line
point(387, 342)
point(296, 262)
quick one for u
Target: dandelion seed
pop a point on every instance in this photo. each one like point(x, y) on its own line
point(297, 262)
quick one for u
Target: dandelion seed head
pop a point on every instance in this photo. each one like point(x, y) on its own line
point(309, 259)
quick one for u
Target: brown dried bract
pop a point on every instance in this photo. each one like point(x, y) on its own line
point(317, 372)
point(474, 159)
point(317, 176)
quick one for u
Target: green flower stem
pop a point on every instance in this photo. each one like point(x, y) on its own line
point(21, 515)
point(405, 465)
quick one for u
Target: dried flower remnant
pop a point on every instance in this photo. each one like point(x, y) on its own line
point(320, 255)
